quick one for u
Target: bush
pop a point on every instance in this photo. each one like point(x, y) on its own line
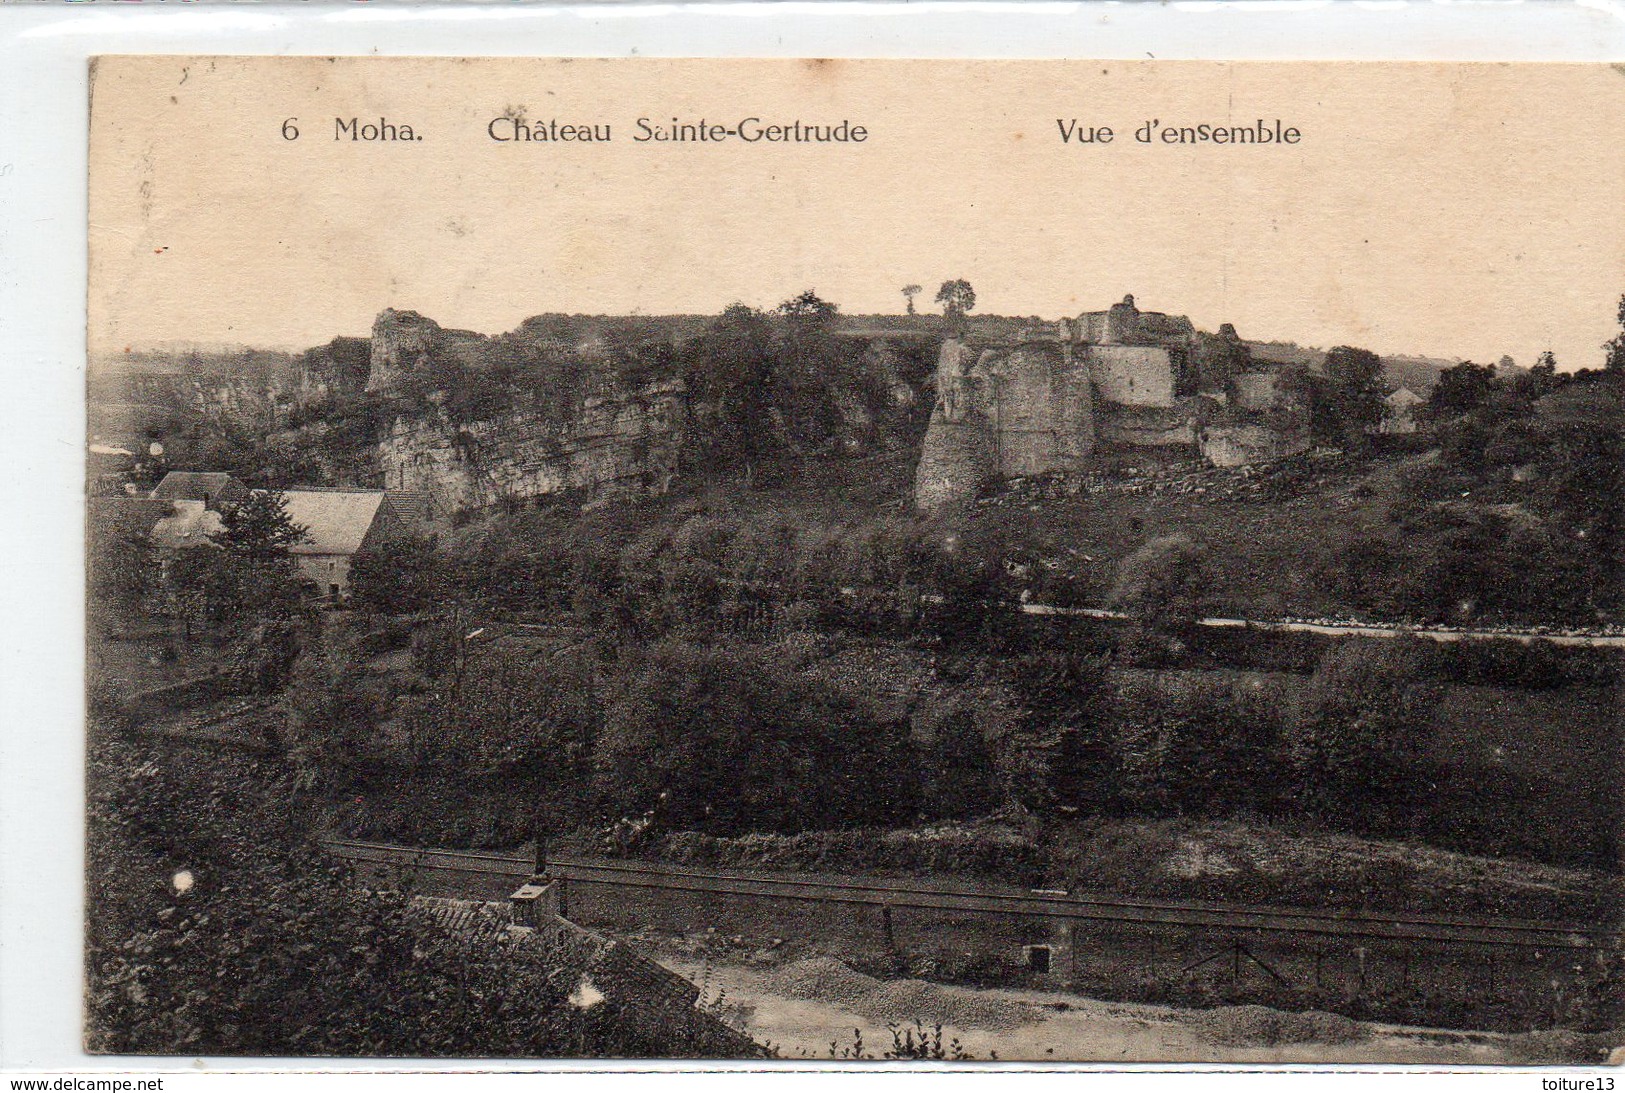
point(267, 949)
point(1195, 750)
point(399, 577)
point(1361, 728)
point(990, 851)
point(1535, 665)
point(719, 740)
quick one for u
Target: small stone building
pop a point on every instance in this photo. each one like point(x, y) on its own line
point(1399, 411)
point(339, 524)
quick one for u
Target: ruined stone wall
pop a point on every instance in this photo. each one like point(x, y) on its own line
point(1134, 375)
point(1235, 445)
point(1039, 404)
point(1141, 430)
point(1256, 391)
point(406, 346)
point(956, 461)
point(623, 444)
point(402, 343)
point(1003, 412)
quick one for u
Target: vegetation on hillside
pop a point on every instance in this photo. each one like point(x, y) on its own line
point(786, 653)
point(215, 927)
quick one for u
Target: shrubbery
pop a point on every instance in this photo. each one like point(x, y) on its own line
point(715, 740)
point(1354, 742)
point(214, 929)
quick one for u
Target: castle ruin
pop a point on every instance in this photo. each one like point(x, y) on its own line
point(1047, 400)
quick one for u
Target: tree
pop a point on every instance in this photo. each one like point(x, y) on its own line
point(957, 299)
point(731, 369)
point(121, 571)
point(1160, 588)
point(1313, 392)
point(1541, 379)
point(1193, 748)
point(251, 576)
point(1220, 358)
point(911, 291)
point(1357, 390)
point(399, 576)
point(1614, 347)
point(960, 776)
point(809, 310)
point(816, 372)
point(1361, 730)
point(719, 740)
point(216, 928)
point(258, 528)
point(1066, 697)
point(1459, 390)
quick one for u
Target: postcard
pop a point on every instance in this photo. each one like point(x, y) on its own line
point(1042, 561)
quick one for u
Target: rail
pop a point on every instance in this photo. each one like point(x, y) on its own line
point(1361, 925)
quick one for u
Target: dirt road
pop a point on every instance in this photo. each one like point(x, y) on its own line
point(771, 1004)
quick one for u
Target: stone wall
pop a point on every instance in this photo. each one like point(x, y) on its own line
point(1235, 445)
point(407, 346)
point(1257, 391)
point(1040, 404)
point(1003, 411)
point(1134, 375)
point(956, 461)
point(1142, 430)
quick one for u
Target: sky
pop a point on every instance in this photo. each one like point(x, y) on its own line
point(1439, 209)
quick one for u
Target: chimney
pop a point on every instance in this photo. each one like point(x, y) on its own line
point(536, 902)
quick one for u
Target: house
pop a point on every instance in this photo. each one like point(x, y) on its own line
point(189, 524)
point(340, 523)
point(606, 968)
point(1399, 411)
point(213, 488)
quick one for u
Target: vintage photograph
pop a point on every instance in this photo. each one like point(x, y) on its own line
point(1040, 561)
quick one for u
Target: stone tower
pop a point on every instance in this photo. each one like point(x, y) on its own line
point(403, 342)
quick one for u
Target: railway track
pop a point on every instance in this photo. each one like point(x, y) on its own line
point(1352, 925)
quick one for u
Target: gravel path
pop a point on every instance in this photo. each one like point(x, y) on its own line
point(804, 1006)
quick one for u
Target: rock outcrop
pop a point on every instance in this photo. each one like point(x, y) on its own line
point(410, 349)
point(1003, 412)
point(628, 443)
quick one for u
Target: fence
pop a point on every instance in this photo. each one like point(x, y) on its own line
point(1422, 968)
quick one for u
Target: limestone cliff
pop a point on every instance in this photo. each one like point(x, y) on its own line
point(626, 443)
point(410, 349)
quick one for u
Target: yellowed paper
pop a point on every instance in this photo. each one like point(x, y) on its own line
point(1061, 561)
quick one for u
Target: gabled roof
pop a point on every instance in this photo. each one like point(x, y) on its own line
point(193, 485)
point(335, 520)
point(478, 920)
point(1404, 396)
